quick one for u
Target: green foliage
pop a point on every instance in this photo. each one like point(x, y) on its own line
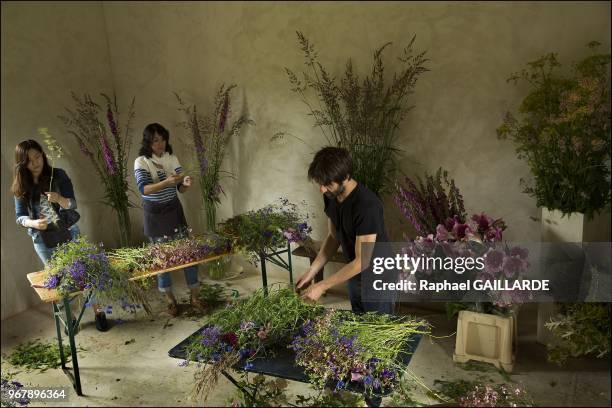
point(281, 309)
point(37, 355)
point(362, 116)
point(582, 329)
point(254, 325)
point(564, 133)
point(210, 136)
point(266, 229)
point(79, 265)
point(260, 392)
point(331, 398)
point(109, 158)
point(427, 205)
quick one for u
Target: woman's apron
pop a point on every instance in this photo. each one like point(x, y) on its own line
point(163, 219)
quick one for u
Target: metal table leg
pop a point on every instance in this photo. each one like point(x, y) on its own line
point(71, 326)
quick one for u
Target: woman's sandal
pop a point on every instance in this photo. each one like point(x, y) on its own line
point(173, 309)
point(198, 305)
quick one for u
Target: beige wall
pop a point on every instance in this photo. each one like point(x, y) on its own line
point(149, 50)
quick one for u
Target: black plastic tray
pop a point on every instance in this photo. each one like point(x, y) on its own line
point(282, 361)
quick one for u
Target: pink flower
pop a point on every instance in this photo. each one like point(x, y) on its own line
point(262, 334)
point(461, 230)
point(356, 376)
point(108, 154)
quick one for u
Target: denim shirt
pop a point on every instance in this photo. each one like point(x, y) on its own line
point(61, 184)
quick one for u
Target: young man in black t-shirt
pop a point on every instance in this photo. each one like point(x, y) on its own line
point(355, 216)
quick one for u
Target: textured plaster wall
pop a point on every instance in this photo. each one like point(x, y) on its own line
point(48, 49)
point(150, 50)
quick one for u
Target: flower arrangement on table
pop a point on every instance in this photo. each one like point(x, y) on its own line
point(267, 229)
point(153, 257)
point(334, 347)
point(250, 327)
point(341, 348)
point(210, 136)
point(80, 265)
point(109, 158)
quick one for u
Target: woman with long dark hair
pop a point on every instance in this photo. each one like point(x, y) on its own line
point(37, 188)
point(159, 176)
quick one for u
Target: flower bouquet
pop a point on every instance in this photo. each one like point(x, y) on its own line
point(109, 158)
point(80, 265)
point(210, 136)
point(250, 327)
point(266, 229)
point(340, 349)
point(481, 236)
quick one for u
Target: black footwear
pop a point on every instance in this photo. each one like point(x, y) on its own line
point(76, 328)
point(101, 323)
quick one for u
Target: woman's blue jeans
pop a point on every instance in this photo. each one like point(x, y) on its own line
point(164, 280)
point(45, 253)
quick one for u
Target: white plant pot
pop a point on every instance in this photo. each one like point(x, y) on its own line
point(574, 227)
point(486, 337)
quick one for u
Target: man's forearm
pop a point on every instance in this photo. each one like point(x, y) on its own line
point(345, 273)
point(327, 251)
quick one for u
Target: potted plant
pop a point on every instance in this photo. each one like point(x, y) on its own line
point(563, 133)
point(210, 135)
point(109, 157)
point(360, 115)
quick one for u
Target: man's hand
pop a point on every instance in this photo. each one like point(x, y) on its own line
point(304, 279)
point(314, 292)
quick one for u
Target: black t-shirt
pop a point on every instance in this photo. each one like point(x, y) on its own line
point(361, 213)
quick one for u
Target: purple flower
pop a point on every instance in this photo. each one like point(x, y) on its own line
point(376, 384)
point(441, 233)
point(461, 230)
point(493, 261)
point(210, 336)
point(356, 376)
point(112, 124)
point(53, 281)
point(482, 221)
point(340, 384)
point(522, 253)
point(367, 380)
point(247, 325)
point(513, 266)
point(108, 154)
point(183, 363)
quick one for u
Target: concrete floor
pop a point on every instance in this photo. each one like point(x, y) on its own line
point(114, 373)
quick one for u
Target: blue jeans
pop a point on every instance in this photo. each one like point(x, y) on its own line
point(45, 253)
point(164, 280)
point(386, 306)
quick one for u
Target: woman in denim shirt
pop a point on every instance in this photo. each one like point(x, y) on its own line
point(31, 179)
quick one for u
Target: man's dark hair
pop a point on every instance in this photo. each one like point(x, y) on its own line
point(330, 164)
